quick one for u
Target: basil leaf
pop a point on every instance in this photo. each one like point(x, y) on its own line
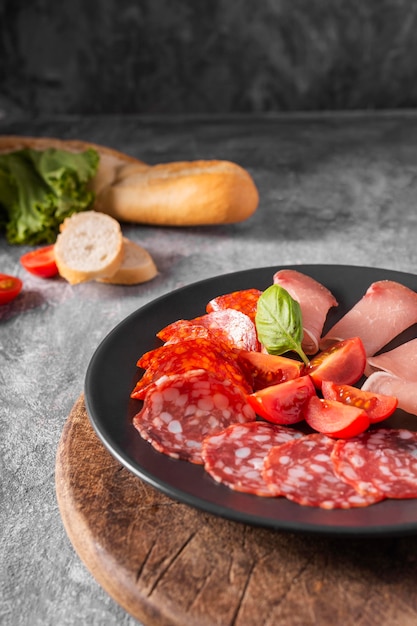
point(279, 322)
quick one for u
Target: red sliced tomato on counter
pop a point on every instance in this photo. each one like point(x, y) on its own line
point(343, 363)
point(10, 287)
point(335, 419)
point(263, 370)
point(378, 406)
point(283, 403)
point(40, 262)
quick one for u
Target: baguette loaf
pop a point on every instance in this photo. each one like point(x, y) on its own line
point(189, 193)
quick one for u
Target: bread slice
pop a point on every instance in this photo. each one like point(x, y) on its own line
point(137, 266)
point(89, 246)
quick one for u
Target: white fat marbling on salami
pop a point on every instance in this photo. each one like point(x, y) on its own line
point(235, 456)
point(380, 461)
point(302, 471)
point(181, 410)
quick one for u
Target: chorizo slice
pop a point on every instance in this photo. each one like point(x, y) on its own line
point(232, 327)
point(195, 353)
point(245, 301)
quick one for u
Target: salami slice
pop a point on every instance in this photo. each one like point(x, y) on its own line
point(181, 410)
point(235, 456)
point(178, 358)
point(233, 327)
point(381, 461)
point(245, 301)
point(302, 471)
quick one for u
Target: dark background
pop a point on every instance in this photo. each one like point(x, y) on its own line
point(215, 56)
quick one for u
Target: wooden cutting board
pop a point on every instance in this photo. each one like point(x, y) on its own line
point(168, 564)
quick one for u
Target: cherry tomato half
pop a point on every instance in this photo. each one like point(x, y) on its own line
point(263, 370)
point(343, 363)
point(378, 406)
point(335, 419)
point(283, 403)
point(40, 262)
point(10, 287)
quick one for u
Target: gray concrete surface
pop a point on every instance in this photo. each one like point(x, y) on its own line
point(337, 190)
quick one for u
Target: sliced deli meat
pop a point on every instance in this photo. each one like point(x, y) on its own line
point(195, 353)
point(232, 326)
point(245, 301)
point(235, 456)
point(390, 385)
point(180, 411)
point(386, 310)
point(381, 461)
point(314, 299)
point(401, 361)
point(302, 471)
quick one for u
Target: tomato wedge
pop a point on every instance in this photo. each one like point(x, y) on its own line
point(40, 262)
point(335, 419)
point(377, 405)
point(10, 287)
point(283, 403)
point(343, 363)
point(263, 370)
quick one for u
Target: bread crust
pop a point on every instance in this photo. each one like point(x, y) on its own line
point(137, 266)
point(183, 193)
point(187, 193)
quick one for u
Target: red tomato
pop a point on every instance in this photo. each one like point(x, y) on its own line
point(10, 287)
point(335, 419)
point(283, 403)
point(40, 262)
point(343, 363)
point(377, 405)
point(263, 370)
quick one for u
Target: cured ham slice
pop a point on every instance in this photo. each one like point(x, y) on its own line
point(404, 390)
point(386, 309)
point(314, 299)
point(401, 361)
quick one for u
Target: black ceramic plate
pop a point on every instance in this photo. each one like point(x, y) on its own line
point(112, 374)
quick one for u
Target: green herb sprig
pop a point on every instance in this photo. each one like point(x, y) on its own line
point(279, 322)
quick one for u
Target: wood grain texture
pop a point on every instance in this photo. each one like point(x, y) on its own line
point(168, 564)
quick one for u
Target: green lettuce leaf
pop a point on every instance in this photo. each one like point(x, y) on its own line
point(39, 189)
